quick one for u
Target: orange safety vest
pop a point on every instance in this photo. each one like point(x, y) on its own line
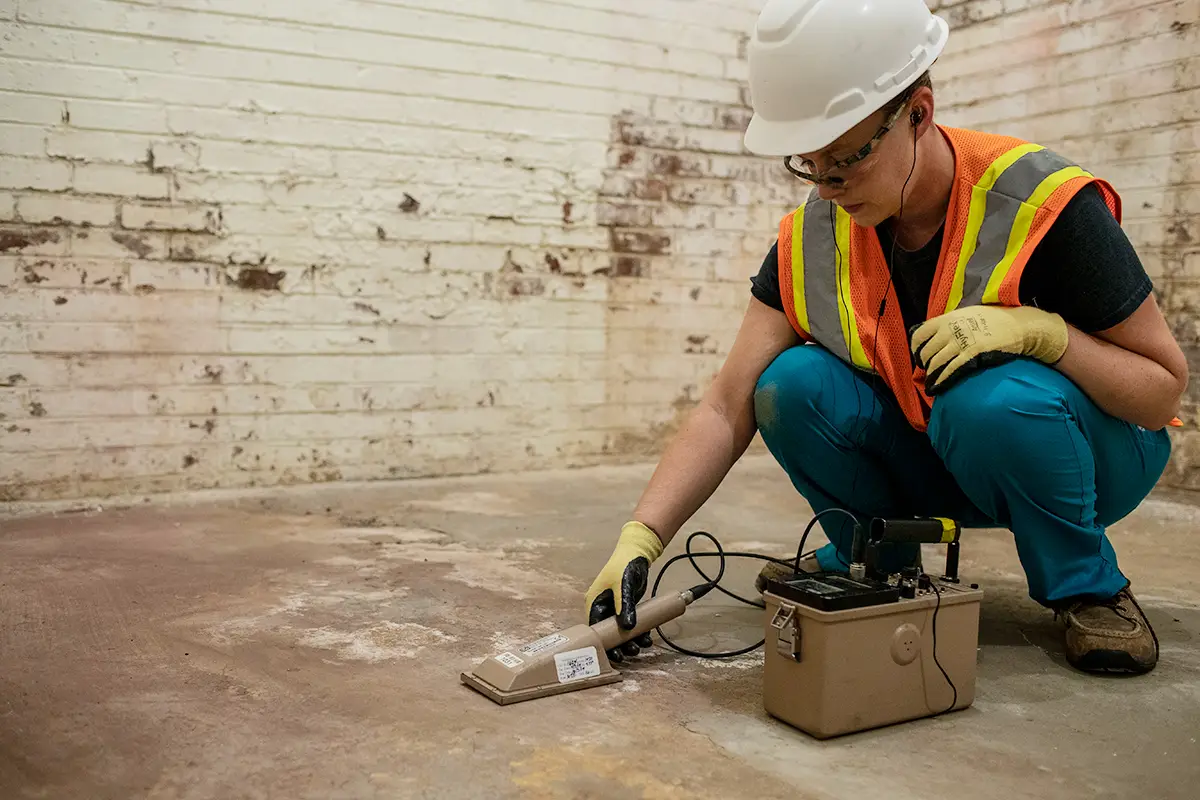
point(832, 273)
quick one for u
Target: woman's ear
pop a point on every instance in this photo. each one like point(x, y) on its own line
point(921, 116)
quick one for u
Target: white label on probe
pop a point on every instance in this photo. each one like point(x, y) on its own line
point(553, 640)
point(577, 664)
point(510, 660)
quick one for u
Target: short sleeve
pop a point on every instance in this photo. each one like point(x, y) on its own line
point(1085, 268)
point(765, 285)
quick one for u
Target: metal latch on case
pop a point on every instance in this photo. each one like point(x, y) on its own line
point(787, 627)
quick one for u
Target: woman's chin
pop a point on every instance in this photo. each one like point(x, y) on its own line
point(862, 213)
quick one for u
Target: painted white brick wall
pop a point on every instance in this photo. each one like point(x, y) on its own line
point(1114, 84)
point(255, 243)
point(281, 241)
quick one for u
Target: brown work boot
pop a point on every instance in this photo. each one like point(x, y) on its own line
point(1110, 636)
point(777, 572)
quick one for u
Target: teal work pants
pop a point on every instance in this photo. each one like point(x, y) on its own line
point(1016, 446)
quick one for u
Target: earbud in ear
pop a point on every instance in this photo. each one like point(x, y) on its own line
point(917, 116)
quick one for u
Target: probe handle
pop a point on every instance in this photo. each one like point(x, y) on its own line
point(919, 530)
point(650, 614)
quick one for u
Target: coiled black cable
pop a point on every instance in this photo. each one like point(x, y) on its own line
point(715, 583)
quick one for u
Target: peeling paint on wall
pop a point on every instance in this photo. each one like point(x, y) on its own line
point(359, 291)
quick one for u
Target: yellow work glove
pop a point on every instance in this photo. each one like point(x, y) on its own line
point(954, 345)
point(622, 582)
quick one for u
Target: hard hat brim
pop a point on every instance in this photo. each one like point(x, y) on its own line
point(766, 138)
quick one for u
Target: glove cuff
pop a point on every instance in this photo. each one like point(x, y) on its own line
point(1050, 334)
point(1057, 339)
point(643, 539)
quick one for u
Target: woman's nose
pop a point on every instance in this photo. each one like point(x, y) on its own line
point(827, 191)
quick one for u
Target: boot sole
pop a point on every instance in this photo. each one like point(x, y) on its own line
point(1110, 661)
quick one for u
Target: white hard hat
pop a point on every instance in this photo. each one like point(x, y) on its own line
point(820, 67)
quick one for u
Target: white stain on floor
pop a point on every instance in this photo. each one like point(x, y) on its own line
point(654, 673)
point(415, 535)
point(748, 661)
point(765, 548)
point(488, 503)
point(352, 535)
point(291, 608)
point(503, 642)
point(347, 561)
point(383, 641)
point(246, 628)
point(507, 569)
point(503, 571)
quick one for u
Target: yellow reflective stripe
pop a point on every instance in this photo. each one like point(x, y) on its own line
point(975, 216)
point(798, 269)
point(846, 301)
point(1024, 221)
point(949, 529)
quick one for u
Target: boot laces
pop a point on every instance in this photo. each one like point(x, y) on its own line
point(1116, 604)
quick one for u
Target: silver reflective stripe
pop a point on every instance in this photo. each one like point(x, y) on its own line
point(821, 275)
point(1014, 186)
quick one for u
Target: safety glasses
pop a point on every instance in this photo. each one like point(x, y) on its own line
point(826, 178)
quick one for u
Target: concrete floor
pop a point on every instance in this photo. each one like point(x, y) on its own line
point(309, 645)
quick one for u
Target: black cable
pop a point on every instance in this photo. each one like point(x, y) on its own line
point(809, 527)
point(945, 675)
point(715, 583)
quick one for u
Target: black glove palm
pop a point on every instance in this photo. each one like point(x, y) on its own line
point(633, 586)
point(627, 572)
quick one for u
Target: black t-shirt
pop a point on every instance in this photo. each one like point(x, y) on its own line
point(1084, 269)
